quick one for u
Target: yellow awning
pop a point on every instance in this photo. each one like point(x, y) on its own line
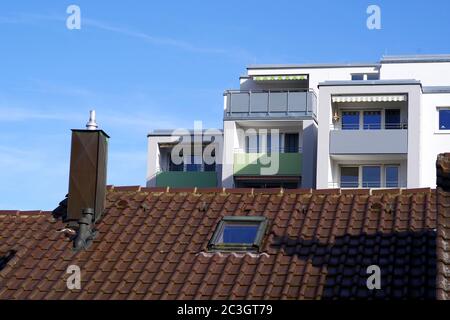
point(292, 77)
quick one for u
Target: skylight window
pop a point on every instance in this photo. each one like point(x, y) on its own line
point(238, 234)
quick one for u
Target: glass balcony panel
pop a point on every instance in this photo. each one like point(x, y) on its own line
point(258, 102)
point(278, 102)
point(371, 177)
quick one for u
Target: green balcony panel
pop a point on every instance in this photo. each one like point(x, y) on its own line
point(250, 164)
point(182, 179)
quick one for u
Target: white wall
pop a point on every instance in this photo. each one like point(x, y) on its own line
point(153, 157)
point(429, 74)
point(316, 75)
point(324, 165)
point(230, 142)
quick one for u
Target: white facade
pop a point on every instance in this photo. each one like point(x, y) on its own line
point(359, 125)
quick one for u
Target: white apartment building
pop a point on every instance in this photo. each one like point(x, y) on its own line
point(355, 125)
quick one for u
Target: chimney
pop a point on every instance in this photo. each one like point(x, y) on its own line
point(87, 180)
point(443, 171)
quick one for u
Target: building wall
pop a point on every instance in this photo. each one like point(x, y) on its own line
point(157, 160)
point(309, 154)
point(435, 141)
point(424, 140)
point(230, 142)
point(429, 74)
point(316, 75)
point(154, 157)
point(324, 165)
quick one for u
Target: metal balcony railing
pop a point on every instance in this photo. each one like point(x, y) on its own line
point(270, 104)
point(366, 184)
point(369, 126)
point(203, 167)
point(269, 150)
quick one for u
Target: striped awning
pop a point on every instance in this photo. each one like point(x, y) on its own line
point(370, 98)
point(291, 77)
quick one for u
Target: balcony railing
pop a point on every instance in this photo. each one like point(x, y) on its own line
point(368, 141)
point(370, 126)
point(366, 185)
point(255, 163)
point(270, 150)
point(184, 167)
point(186, 179)
point(256, 104)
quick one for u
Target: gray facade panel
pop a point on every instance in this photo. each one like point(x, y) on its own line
point(368, 141)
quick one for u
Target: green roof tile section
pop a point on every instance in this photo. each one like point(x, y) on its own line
point(290, 164)
point(182, 179)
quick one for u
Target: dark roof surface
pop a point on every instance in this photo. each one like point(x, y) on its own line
point(152, 245)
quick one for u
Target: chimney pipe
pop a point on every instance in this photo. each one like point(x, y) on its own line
point(91, 125)
point(443, 171)
point(87, 177)
point(86, 232)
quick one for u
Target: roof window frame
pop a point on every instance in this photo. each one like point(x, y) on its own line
point(213, 244)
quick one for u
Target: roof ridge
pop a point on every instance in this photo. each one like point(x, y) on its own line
point(199, 190)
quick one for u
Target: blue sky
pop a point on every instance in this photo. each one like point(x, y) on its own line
point(145, 65)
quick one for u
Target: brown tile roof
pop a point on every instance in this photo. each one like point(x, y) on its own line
point(152, 245)
point(443, 229)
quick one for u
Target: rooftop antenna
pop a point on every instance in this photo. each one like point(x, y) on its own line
point(92, 125)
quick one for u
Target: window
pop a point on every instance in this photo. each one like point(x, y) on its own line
point(350, 120)
point(392, 119)
point(373, 76)
point(444, 118)
point(252, 143)
point(371, 177)
point(291, 142)
point(391, 176)
point(173, 166)
point(238, 233)
point(372, 120)
point(357, 76)
point(269, 143)
point(212, 166)
point(349, 177)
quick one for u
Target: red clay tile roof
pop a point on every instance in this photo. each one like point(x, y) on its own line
point(152, 245)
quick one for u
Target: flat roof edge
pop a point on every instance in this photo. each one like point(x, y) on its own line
point(169, 132)
point(313, 65)
point(436, 89)
point(416, 58)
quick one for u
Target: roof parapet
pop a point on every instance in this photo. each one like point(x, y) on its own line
point(420, 58)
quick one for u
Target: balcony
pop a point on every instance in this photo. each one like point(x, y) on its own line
point(254, 164)
point(381, 139)
point(186, 179)
point(270, 104)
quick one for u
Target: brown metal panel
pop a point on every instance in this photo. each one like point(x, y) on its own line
point(87, 179)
